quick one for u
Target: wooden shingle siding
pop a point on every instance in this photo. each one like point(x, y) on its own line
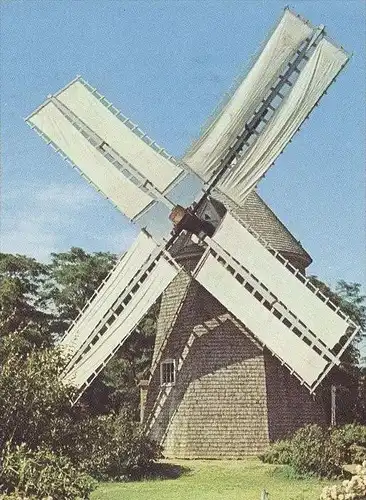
point(257, 214)
point(231, 397)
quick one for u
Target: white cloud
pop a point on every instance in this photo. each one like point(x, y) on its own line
point(67, 195)
point(38, 220)
point(30, 236)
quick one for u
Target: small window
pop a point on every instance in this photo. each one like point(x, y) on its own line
point(167, 372)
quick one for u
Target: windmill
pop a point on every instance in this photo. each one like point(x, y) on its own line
point(255, 299)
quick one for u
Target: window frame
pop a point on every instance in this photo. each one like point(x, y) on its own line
point(167, 362)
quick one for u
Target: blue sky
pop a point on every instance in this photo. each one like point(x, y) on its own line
point(166, 65)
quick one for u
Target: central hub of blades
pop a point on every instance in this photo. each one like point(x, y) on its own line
point(184, 218)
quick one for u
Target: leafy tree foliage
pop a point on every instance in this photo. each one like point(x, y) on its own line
point(40, 430)
point(23, 302)
point(74, 276)
point(350, 378)
point(116, 388)
point(33, 401)
point(39, 301)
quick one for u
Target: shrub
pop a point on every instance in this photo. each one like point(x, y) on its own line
point(42, 474)
point(34, 403)
point(353, 489)
point(35, 409)
point(313, 453)
point(350, 439)
point(279, 452)
point(111, 447)
point(313, 450)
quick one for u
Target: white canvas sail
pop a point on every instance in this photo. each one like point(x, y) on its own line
point(289, 34)
point(238, 242)
point(161, 171)
point(321, 69)
point(97, 312)
point(95, 358)
point(266, 327)
point(123, 193)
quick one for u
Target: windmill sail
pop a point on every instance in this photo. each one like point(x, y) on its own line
point(56, 129)
point(288, 37)
point(292, 73)
point(319, 72)
point(111, 152)
point(271, 332)
point(277, 304)
point(159, 169)
point(93, 345)
point(299, 299)
point(101, 308)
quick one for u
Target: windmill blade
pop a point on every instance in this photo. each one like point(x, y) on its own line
point(246, 249)
point(133, 304)
point(93, 360)
point(111, 152)
point(160, 169)
point(318, 74)
point(289, 37)
point(57, 130)
point(305, 331)
point(271, 332)
point(102, 306)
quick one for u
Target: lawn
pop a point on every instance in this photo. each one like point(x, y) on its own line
point(215, 480)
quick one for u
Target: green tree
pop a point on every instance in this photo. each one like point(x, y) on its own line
point(42, 432)
point(34, 404)
point(351, 399)
point(24, 306)
point(75, 275)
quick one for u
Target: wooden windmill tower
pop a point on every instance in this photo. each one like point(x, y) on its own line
point(243, 339)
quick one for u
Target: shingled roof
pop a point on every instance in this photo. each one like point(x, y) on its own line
point(257, 214)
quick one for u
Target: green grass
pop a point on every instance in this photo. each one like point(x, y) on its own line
point(216, 480)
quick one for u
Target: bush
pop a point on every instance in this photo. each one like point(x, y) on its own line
point(279, 452)
point(35, 409)
point(314, 451)
point(351, 441)
point(111, 447)
point(353, 489)
point(34, 404)
point(42, 474)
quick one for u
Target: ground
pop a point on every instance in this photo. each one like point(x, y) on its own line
point(216, 480)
